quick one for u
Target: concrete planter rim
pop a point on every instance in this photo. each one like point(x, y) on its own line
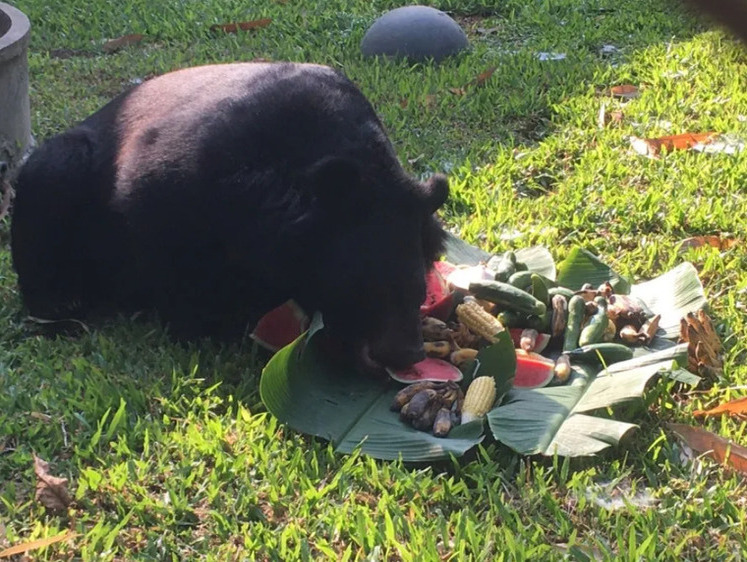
point(16, 38)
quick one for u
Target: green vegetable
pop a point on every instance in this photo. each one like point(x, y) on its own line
point(508, 296)
point(502, 266)
point(565, 291)
point(521, 280)
point(594, 330)
point(576, 313)
point(606, 353)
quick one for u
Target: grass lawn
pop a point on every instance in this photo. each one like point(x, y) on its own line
point(168, 450)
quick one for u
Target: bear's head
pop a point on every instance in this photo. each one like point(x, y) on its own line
point(373, 243)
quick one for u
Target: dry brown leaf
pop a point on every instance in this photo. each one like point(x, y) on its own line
point(714, 240)
point(51, 491)
point(35, 545)
point(624, 91)
point(704, 346)
point(241, 26)
point(702, 442)
point(122, 42)
point(685, 141)
point(478, 82)
point(737, 407)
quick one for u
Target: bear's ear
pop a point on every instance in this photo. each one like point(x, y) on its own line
point(334, 182)
point(435, 192)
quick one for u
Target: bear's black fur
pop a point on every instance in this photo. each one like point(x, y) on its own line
point(215, 193)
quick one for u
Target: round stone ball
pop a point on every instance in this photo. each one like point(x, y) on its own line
point(417, 33)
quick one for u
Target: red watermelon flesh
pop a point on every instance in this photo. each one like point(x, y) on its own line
point(542, 339)
point(280, 326)
point(429, 369)
point(438, 297)
point(533, 370)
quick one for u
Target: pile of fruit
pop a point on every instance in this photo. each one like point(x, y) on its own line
point(551, 327)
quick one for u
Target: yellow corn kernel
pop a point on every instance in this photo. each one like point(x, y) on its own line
point(479, 322)
point(479, 399)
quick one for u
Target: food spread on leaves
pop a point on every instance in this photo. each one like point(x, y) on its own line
point(552, 327)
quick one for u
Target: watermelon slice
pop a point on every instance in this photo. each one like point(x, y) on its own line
point(438, 298)
point(542, 339)
point(533, 370)
point(280, 326)
point(429, 369)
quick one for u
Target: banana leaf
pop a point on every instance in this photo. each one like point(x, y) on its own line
point(310, 392)
point(581, 266)
point(557, 420)
point(537, 258)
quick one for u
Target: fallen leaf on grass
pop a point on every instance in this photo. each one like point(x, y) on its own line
point(35, 545)
point(241, 26)
point(684, 141)
point(624, 91)
point(122, 42)
point(714, 240)
point(703, 442)
point(703, 344)
point(477, 82)
point(737, 407)
point(51, 491)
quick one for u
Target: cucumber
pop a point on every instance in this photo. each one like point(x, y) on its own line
point(521, 280)
point(508, 296)
point(539, 289)
point(565, 291)
point(576, 313)
point(502, 266)
point(594, 330)
point(609, 352)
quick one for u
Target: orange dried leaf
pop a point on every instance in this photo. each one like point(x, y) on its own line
point(484, 77)
point(624, 91)
point(477, 82)
point(713, 240)
point(684, 141)
point(35, 545)
point(737, 407)
point(122, 42)
point(51, 491)
point(241, 26)
point(702, 442)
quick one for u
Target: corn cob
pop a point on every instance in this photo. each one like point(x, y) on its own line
point(479, 399)
point(480, 322)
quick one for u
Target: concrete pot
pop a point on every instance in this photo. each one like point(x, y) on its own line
point(15, 118)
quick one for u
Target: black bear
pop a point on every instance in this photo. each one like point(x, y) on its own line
point(213, 194)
